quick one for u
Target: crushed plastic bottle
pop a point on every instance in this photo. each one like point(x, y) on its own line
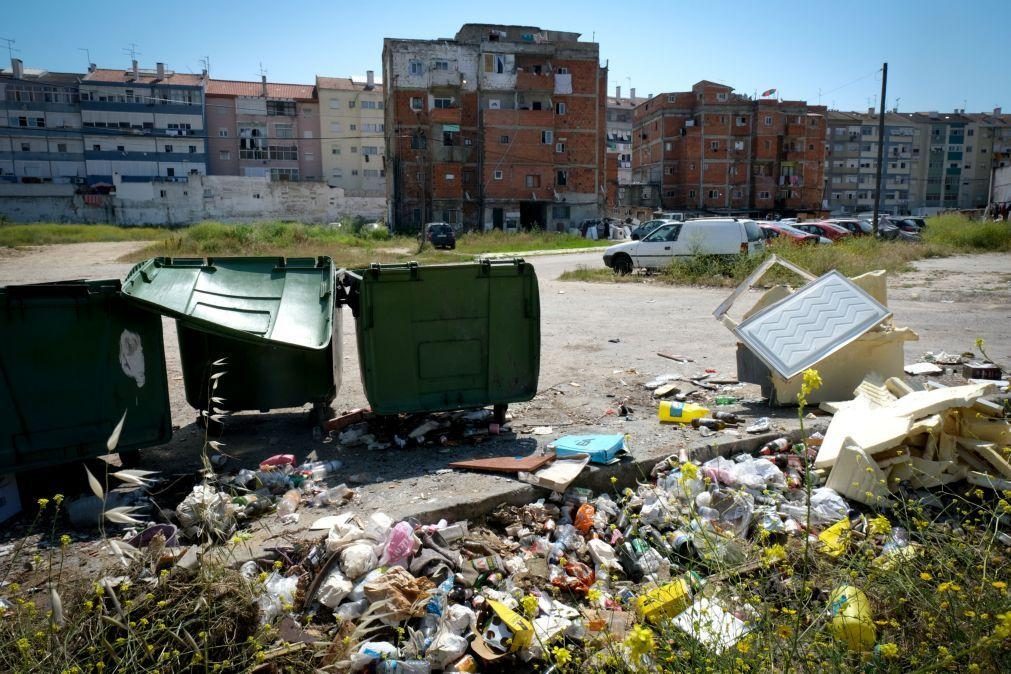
point(289, 502)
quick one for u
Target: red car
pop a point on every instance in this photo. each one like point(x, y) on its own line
point(773, 230)
point(826, 229)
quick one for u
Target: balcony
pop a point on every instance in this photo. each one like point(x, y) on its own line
point(445, 115)
point(453, 153)
point(529, 81)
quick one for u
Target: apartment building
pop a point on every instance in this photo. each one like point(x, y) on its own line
point(619, 145)
point(142, 124)
point(933, 160)
point(263, 129)
point(40, 126)
point(498, 127)
point(352, 124)
point(716, 151)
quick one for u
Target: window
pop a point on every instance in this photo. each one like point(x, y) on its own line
point(561, 178)
point(714, 145)
point(713, 194)
point(370, 149)
point(354, 172)
point(283, 174)
point(416, 103)
point(283, 152)
point(768, 120)
point(418, 142)
point(970, 132)
point(170, 172)
point(26, 147)
point(547, 137)
point(163, 193)
point(440, 65)
point(671, 98)
point(192, 149)
point(284, 131)
point(968, 148)
point(353, 127)
point(741, 121)
point(449, 138)
point(668, 170)
point(415, 67)
point(96, 147)
point(738, 194)
point(443, 103)
point(281, 108)
point(722, 96)
point(368, 105)
point(561, 212)
point(354, 149)
point(559, 147)
point(335, 150)
point(335, 103)
point(450, 176)
point(497, 175)
point(120, 148)
point(495, 63)
point(533, 180)
point(468, 177)
point(61, 147)
point(224, 154)
point(168, 148)
point(222, 133)
point(503, 139)
point(738, 144)
point(560, 108)
point(668, 146)
point(691, 194)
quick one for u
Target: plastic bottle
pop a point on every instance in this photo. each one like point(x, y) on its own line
point(317, 470)
point(851, 618)
point(404, 667)
point(680, 413)
point(289, 502)
point(584, 518)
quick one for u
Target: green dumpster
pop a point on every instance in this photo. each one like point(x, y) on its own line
point(447, 337)
point(272, 318)
point(75, 357)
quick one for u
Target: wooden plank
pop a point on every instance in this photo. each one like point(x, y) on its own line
point(506, 464)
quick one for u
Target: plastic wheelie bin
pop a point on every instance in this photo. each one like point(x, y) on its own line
point(447, 337)
point(75, 357)
point(272, 318)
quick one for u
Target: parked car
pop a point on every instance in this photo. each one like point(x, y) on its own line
point(829, 231)
point(441, 235)
point(706, 236)
point(775, 230)
point(852, 225)
point(899, 230)
point(645, 228)
point(909, 223)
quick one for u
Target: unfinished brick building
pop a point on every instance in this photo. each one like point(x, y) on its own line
point(499, 127)
point(712, 150)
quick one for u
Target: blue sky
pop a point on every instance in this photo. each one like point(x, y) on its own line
point(941, 54)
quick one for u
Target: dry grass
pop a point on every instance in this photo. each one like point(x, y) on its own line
point(40, 234)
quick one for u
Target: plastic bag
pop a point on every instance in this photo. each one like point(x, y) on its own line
point(720, 470)
point(446, 647)
point(405, 595)
point(372, 651)
point(278, 592)
point(400, 546)
point(206, 512)
point(358, 591)
point(827, 507)
point(351, 610)
point(333, 589)
point(758, 474)
point(358, 559)
point(604, 556)
point(460, 619)
point(734, 507)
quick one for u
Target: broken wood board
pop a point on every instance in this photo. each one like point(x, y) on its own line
point(559, 475)
point(505, 464)
point(989, 453)
point(857, 476)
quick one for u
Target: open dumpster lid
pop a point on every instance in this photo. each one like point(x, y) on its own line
point(284, 300)
point(812, 323)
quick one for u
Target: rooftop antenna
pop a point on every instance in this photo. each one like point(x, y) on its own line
point(131, 49)
point(10, 46)
point(206, 63)
point(87, 54)
point(263, 72)
point(819, 95)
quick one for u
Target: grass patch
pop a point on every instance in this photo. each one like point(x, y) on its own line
point(502, 242)
point(598, 275)
point(40, 234)
point(945, 235)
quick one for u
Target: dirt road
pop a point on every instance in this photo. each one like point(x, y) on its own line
point(948, 301)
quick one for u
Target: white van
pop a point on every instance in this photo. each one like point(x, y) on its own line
point(704, 236)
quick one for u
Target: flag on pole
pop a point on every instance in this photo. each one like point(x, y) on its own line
point(768, 92)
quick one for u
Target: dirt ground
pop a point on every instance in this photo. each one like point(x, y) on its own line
point(949, 302)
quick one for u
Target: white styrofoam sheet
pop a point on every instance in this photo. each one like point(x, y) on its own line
point(812, 323)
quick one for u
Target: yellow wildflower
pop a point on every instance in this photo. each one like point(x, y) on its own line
point(999, 584)
point(593, 595)
point(1003, 629)
point(888, 650)
point(925, 576)
point(43, 502)
point(880, 525)
point(65, 540)
point(562, 656)
point(689, 471)
point(529, 603)
point(640, 642)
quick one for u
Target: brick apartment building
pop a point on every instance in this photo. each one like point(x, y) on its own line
point(716, 151)
point(263, 129)
point(499, 127)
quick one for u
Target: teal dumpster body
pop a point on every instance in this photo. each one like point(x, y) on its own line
point(271, 318)
point(76, 356)
point(447, 337)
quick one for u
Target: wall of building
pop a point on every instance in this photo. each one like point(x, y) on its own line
point(352, 132)
point(224, 198)
point(1002, 185)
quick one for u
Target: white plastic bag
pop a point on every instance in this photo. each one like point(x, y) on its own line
point(358, 559)
point(333, 589)
point(278, 592)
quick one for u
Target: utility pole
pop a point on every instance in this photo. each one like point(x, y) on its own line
point(881, 146)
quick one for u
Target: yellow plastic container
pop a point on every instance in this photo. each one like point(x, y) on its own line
point(668, 601)
point(851, 618)
point(680, 413)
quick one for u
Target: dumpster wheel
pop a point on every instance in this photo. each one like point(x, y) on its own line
point(500, 414)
